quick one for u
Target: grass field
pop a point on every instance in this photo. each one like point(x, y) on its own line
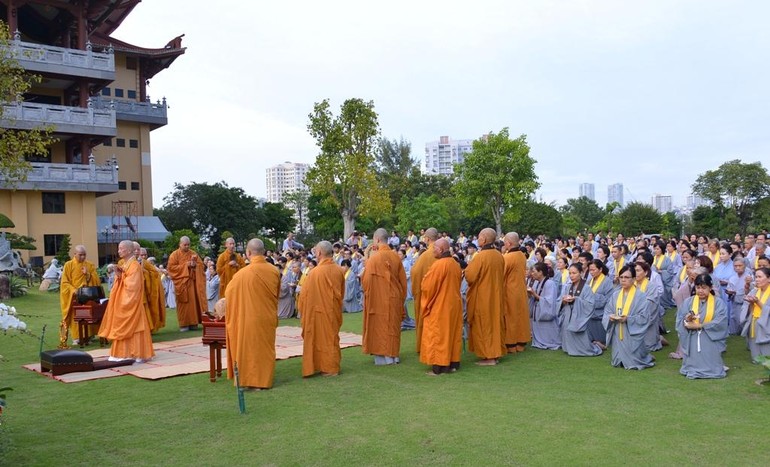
point(535, 408)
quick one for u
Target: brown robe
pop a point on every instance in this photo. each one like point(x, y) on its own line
point(384, 284)
point(420, 268)
point(485, 276)
point(225, 271)
point(251, 301)
point(72, 279)
point(516, 311)
point(442, 310)
point(125, 321)
point(321, 305)
point(154, 302)
point(189, 287)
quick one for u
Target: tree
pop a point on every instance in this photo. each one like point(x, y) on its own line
point(538, 218)
point(639, 218)
point(279, 221)
point(203, 208)
point(422, 212)
point(16, 145)
point(395, 168)
point(172, 241)
point(343, 172)
point(585, 211)
point(737, 185)
point(63, 253)
point(298, 200)
point(672, 225)
point(498, 175)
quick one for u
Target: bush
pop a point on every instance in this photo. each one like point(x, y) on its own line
point(18, 286)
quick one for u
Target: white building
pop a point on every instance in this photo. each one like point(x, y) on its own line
point(661, 203)
point(285, 178)
point(694, 201)
point(615, 194)
point(442, 155)
point(588, 190)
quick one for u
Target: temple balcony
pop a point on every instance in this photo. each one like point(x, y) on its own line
point(99, 179)
point(64, 119)
point(50, 60)
point(154, 114)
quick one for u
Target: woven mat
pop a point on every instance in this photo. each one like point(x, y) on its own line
point(187, 356)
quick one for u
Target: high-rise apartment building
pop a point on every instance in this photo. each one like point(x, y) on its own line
point(588, 190)
point(285, 178)
point(615, 194)
point(442, 155)
point(694, 201)
point(661, 203)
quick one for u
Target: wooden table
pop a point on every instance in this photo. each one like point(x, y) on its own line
point(215, 336)
point(86, 315)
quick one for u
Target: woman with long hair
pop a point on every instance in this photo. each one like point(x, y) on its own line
point(702, 326)
point(577, 306)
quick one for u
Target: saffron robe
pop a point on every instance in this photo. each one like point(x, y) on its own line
point(321, 305)
point(154, 300)
point(419, 269)
point(516, 311)
point(251, 319)
point(630, 352)
point(442, 312)
point(384, 285)
point(189, 287)
point(702, 349)
point(72, 279)
point(486, 277)
point(125, 321)
point(225, 271)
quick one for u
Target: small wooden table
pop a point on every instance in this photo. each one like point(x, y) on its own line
point(86, 315)
point(215, 336)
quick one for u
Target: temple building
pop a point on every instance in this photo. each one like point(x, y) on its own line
point(95, 183)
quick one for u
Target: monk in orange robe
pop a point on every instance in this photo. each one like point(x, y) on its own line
point(77, 273)
point(384, 284)
point(153, 293)
point(516, 311)
point(125, 321)
point(321, 305)
point(186, 270)
point(228, 263)
point(442, 310)
point(251, 301)
point(420, 268)
point(486, 276)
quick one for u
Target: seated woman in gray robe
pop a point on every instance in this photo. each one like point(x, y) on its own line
point(626, 318)
point(654, 292)
point(702, 323)
point(755, 315)
point(602, 287)
point(544, 309)
point(577, 305)
point(737, 286)
point(352, 302)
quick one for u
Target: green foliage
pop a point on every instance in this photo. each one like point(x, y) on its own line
point(343, 174)
point(172, 241)
point(422, 212)
point(538, 218)
point(639, 218)
point(298, 202)
point(153, 249)
point(672, 225)
point(278, 221)
point(16, 145)
point(584, 212)
point(63, 253)
point(737, 185)
point(20, 242)
point(198, 205)
point(714, 221)
point(18, 286)
point(396, 170)
point(497, 176)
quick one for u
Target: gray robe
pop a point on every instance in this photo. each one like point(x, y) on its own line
point(735, 301)
point(543, 317)
point(286, 297)
point(631, 353)
point(760, 343)
point(597, 332)
point(574, 325)
point(652, 334)
point(352, 301)
point(702, 350)
point(212, 291)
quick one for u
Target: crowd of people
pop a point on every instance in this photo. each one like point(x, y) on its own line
point(503, 294)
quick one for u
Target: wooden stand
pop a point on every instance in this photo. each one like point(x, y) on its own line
point(215, 336)
point(86, 315)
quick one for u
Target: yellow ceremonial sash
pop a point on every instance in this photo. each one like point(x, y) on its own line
point(756, 310)
point(709, 309)
point(672, 256)
point(714, 257)
point(564, 274)
point(619, 265)
point(347, 273)
point(682, 275)
point(623, 308)
point(596, 282)
point(645, 282)
point(659, 261)
point(756, 262)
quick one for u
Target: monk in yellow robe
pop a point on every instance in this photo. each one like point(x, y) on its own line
point(251, 301)
point(153, 293)
point(125, 321)
point(321, 305)
point(228, 263)
point(77, 273)
point(186, 270)
point(420, 268)
point(486, 277)
point(442, 310)
point(384, 284)
point(516, 311)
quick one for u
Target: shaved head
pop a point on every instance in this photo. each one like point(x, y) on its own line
point(381, 235)
point(512, 239)
point(79, 253)
point(431, 234)
point(80, 249)
point(487, 236)
point(324, 249)
point(256, 247)
point(442, 244)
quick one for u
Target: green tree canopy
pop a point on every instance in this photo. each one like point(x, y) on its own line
point(639, 218)
point(422, 212)
point(343, 172)
point(584, 212)
point(538, 218)
point(498, 175)
point(278, 221)
point(298, 201)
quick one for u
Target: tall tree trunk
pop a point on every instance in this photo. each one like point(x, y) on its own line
point(350, 225)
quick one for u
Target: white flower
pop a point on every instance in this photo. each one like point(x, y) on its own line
point(8, 319)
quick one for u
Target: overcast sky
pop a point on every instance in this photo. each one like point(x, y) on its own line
point(649, 94)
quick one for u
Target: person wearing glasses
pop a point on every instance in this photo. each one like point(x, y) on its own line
point(626, 319)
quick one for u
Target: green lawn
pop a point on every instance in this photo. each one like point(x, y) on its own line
point(536, 408)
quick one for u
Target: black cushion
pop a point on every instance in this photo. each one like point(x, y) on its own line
point(65, 356)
